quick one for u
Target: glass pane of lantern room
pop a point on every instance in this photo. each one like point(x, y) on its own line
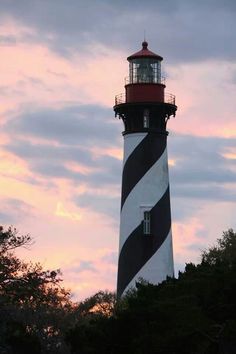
point(157, 68)
point(145, 70)
point(133, 68)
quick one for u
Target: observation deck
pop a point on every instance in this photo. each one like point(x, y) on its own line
point(145, 88)
point(169, 98)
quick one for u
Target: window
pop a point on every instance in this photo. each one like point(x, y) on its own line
point(146, 70)
point(146, 118)
point(147, 222)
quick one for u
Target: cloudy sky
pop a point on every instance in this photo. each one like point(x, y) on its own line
point(61, 64)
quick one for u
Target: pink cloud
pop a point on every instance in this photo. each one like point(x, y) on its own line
point(205, 97)
point(65, 233)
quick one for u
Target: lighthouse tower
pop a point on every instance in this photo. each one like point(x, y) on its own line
point(145, 249)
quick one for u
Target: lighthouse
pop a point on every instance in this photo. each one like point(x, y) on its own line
point(145, 245)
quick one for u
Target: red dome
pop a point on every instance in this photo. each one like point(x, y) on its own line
point(144, 52)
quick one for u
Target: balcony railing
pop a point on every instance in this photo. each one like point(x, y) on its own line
point(169, 98)
point(121, 98)
point(144, 79)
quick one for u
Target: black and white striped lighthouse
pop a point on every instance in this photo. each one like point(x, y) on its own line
point(145, 249)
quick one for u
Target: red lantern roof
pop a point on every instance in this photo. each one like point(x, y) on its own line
point(144, 52)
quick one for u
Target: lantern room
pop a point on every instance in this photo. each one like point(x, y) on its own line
point(145, 82)
point(145, 67)
point(145, 106)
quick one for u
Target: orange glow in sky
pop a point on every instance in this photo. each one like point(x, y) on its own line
point(61, 147)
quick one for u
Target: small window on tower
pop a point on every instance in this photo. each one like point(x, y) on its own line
point(147, 223)
point(146, 118)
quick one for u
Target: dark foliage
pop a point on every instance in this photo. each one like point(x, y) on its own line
point(194, 314)
point(34, 308)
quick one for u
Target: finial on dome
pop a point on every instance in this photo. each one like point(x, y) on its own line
point(145, 44)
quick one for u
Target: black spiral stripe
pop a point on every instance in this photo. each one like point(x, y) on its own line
point(138, 249)
point(148, 152)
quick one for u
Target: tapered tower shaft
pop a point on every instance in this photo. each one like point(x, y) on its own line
point(145, 249)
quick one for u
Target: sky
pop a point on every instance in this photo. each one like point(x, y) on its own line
point(61, 148)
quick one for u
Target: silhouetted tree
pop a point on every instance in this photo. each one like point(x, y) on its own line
point(194, 314)
point(34, 308)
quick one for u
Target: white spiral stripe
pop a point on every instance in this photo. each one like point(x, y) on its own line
point(158, 267)
point(146, 193)
point(131, 141)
